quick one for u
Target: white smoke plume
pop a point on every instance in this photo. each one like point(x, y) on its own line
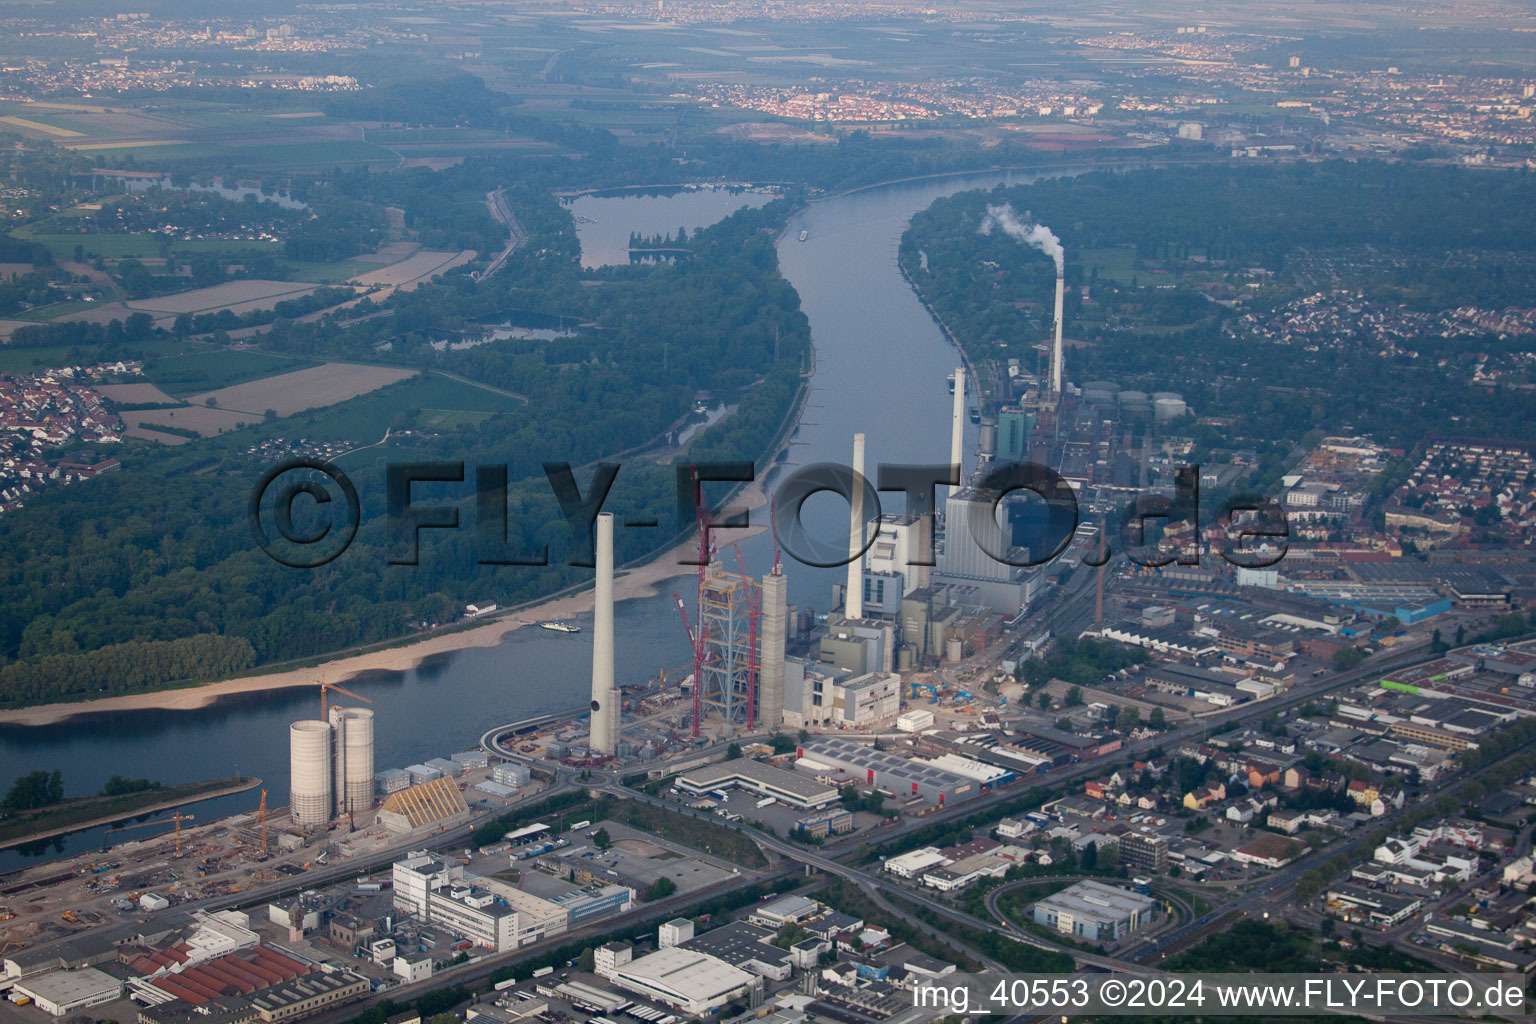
point(1037, 235)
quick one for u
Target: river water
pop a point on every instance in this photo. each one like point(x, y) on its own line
point(881, 364)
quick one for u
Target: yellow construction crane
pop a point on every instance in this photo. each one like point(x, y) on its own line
point(177, 819)
point(325, 690)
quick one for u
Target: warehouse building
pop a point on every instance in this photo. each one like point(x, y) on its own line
point(64, 992)
point(301, 997)
point(1095, 912)
point(745, 946)
point(1382, 909)
point(796, 789)
point(832, 822)
point(988, 775)
point(686, 980)
point(915, 862)
point(86, 950)
point(864, 765)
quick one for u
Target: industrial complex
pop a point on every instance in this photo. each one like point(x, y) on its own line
point(1113, 728)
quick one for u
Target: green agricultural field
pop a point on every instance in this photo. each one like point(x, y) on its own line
point(448, 419)
point(112, 247)
point(155, 155)
point(34, 360)
point(421, 136)
point(1118, 263)
point(117, 247)
point(326, 273)
point(421, 400)
point(208, 369)
point(31, 360)
point(223, 245)
point(42, 314)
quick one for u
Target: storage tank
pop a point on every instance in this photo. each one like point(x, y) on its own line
point(1168, 409)
point(1133, 398)
point(309, 770)
point(352, 730)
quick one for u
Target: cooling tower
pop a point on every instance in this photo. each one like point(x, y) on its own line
point(309, 769)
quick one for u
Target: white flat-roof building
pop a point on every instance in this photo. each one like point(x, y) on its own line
point(689, 981)
point(1095, 911)
point(674, 933)
point(968, 767)
point(64, 992)
point(910, 865)
point(786, 910)
point(793, 788)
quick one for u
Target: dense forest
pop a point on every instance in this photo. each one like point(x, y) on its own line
point(153, 577)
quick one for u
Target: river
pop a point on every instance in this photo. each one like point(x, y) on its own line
point(880, 368)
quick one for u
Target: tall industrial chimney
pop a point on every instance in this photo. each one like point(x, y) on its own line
point(957, 425)
point(1061, 286)
point(605, 699)
point(853, 599)
point(770, 673)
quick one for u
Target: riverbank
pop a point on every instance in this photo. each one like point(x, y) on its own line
point(639, 582)
point(88, 812)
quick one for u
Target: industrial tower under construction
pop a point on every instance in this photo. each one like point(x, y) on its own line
point(729, 648)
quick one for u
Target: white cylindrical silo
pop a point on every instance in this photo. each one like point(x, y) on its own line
point(309, 769)
point(353, 772)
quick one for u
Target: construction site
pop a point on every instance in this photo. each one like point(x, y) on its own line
point(175, 859)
